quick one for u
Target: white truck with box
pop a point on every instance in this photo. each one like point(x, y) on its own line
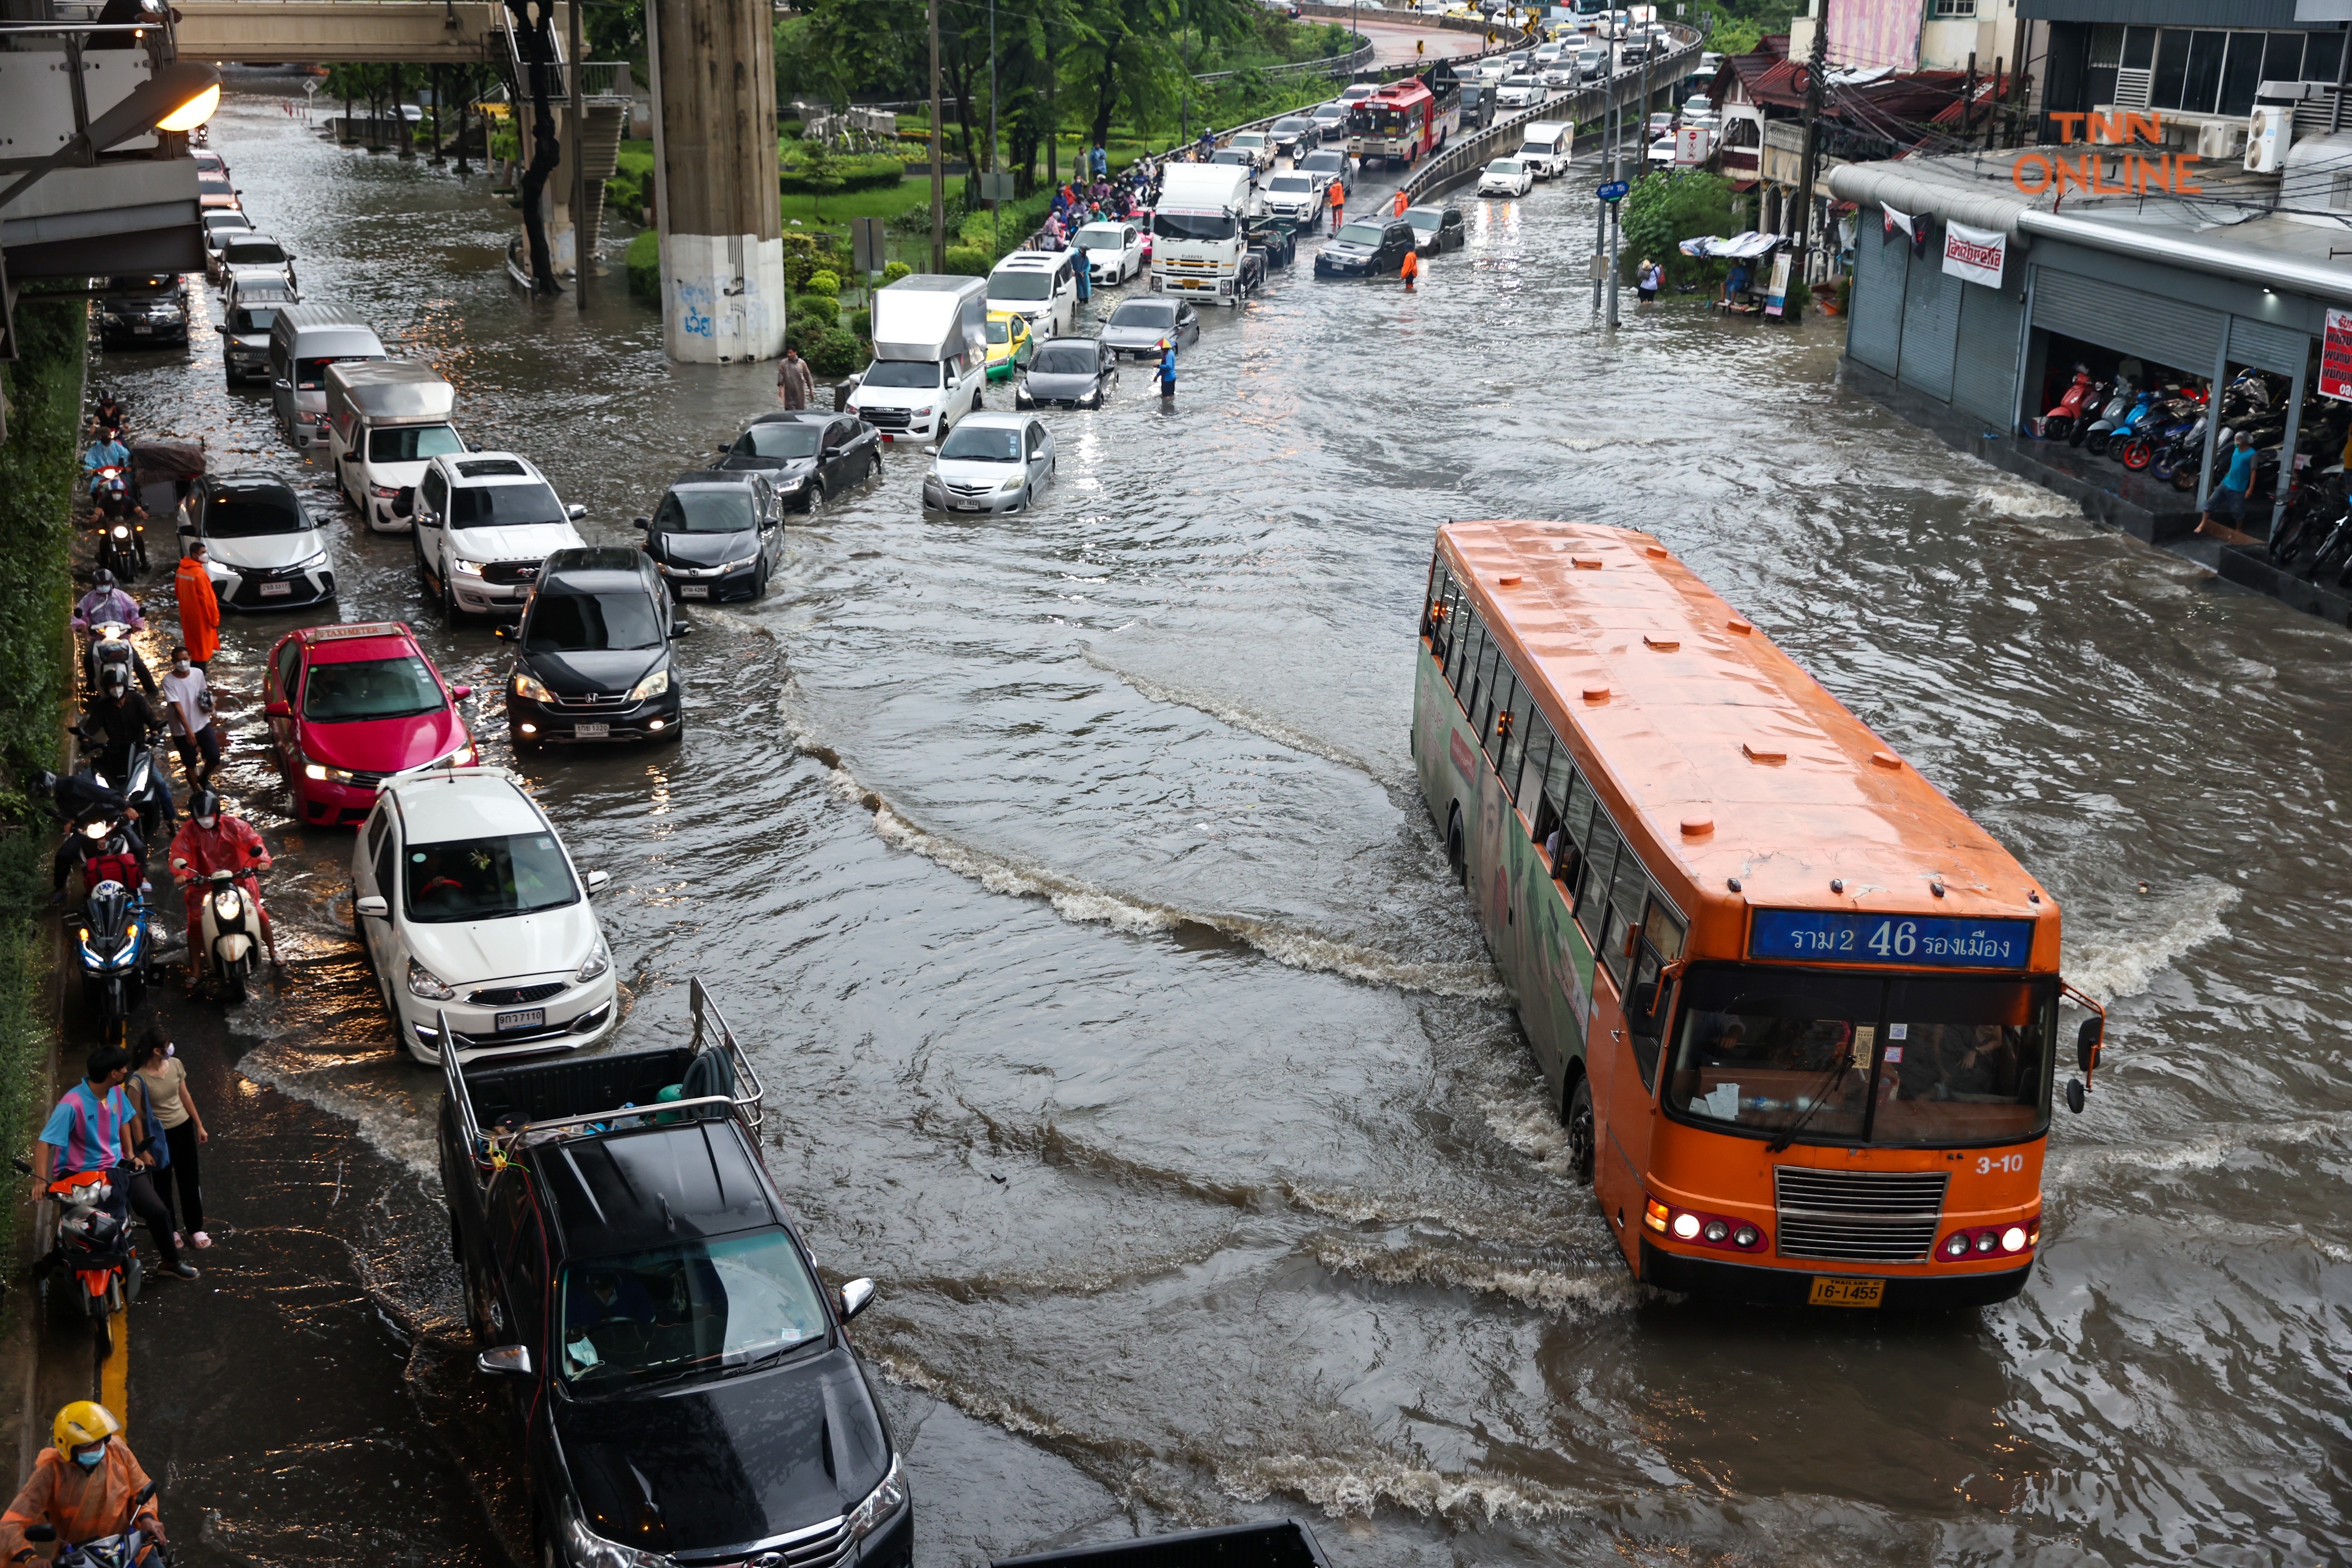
point(1546, 147)
point(931, 356)
point(1198, 243)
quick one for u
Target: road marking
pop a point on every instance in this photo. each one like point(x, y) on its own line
point(114, 1373)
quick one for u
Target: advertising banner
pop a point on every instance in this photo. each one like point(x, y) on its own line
point(2336, 357)
point(1975, 255)
point(1776, 299)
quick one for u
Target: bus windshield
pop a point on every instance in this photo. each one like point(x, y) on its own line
point(1384, 121)
point(1908, 1061)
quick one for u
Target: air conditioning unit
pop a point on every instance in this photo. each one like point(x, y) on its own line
point(2270, 129)
point(2220, 139)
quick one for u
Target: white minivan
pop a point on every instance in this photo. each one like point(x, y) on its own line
point(1039, 286)
point(471, 910)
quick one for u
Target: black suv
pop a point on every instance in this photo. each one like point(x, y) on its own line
point(717, 534)
point(1366, 247)
point(592, 659)
point(682, 1388)
point(143, 312)
point(808, 455)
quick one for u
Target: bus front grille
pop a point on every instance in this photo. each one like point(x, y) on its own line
point(1858, 1217)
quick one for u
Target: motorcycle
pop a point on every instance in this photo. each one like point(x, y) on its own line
point(2154, 430)
point(109, 648)
point(2093, 436)
point(143, 785)
point(228, 930)
point(110, 492)
point(125, 1549)
point(93, 1245)
point(113, 940)
point(2060, 422)
point(122, 547)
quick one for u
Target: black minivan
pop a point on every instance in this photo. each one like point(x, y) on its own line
point(717, 534)
point(592, 660)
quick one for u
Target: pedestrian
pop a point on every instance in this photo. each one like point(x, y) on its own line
point(1648, 280)
point(1102, 161)
point(188, 714)
point(199, 605)
point(161, 1088)
point(1338, 195)
point(1409, 268)
point(1167, 372)
point(1399, 210)
point(93, 1129)
point(794, 385)
point(2229, 498)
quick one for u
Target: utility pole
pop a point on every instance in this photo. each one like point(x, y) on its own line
point(995, 153)
point(1616, 133)
point(938, 180)
point(1816, 65)
point(581, 242)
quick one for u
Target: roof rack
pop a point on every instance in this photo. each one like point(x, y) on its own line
point(711, 1033)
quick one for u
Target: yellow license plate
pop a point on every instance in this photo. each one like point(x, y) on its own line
point(1830, 1291)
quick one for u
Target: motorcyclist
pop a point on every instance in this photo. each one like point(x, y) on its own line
point(105, 848)
point(88, 1488)
point(107, 452)
point(104, 603)
point(212, 840)
point(117, 720)
point(109, 416)
point(76, 795)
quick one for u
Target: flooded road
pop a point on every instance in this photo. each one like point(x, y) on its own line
point(1119, 1016)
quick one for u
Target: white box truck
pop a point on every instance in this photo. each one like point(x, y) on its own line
point(931, 356)
point(1546, 147)
point(1198, 247)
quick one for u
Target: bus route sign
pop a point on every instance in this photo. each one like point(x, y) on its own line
point(1906, 941)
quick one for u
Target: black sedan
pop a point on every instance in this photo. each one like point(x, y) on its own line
point(717, 534)
point(1143, 326)
point(143, 312)
point(1436, 230)
point(1068, 372)
point(1368, 247)
point(806, 454)
point(1294, 134)
point(594, 660)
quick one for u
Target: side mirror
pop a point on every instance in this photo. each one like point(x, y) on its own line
point(374, 906)
point(680, 630)
point(44, 1533)
point(643, 524)
point(1641, 1006)
point(221, 327)
point(855, 1297)
point(502, 631)
point(2075, 1095)
point(280, 709)
point(2086, 1042)
point(720, 449)
point(599, 881)
point(575, 511)
point(146, 1495)
point(459, 693)
point(282, 384)
point(507, 1361)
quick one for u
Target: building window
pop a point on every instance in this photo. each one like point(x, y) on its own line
point(1954, 8)
point(2204, 70)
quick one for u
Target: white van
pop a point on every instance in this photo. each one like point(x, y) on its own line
point(303, 341)
point(386, 420)
point(1547, 147)
point(1039, 286)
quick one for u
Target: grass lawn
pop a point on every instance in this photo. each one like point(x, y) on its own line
point(842, 205)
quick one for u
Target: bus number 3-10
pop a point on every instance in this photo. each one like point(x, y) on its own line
point(1894, 939)
point(1986, 1165)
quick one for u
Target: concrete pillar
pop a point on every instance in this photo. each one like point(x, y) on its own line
point(713, 64)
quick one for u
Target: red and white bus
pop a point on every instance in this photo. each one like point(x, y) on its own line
point(1402, 121)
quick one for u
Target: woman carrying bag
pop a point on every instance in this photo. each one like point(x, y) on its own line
point(175, 1130)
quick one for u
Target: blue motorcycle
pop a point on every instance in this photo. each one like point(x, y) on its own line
point(114, 933)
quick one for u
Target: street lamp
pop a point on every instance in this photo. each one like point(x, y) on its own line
point(180, 97)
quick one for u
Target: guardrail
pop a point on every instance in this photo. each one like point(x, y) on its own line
point(1463, 159)
point(1331, 65)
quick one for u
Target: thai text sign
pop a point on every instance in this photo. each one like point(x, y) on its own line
point(1926, 942)
point(1975, 255)
point(2336, 357)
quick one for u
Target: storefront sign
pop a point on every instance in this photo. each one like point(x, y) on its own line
point(2336, 357)
point(1975, 255)
point(1777, 297)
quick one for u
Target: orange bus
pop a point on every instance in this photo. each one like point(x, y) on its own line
point(1798, 1014)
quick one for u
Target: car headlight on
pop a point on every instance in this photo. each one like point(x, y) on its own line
point(464, 568)
point(526, 685)
point(598, 961)
point(423, 982)
point(584, 1548)
point(881, 1505)
point(1009, 485)
point(321, 770)
point(653, 685)
point(790, 484)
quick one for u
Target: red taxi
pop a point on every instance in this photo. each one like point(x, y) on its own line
point(348, 705)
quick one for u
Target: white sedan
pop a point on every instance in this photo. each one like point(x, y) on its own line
point(1115, 251)
point(1505, 177)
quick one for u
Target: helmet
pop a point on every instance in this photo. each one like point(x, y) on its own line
point(104, 580)
point(205, 803)
point(82, 1423)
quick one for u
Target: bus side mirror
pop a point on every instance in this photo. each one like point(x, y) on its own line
point(1641, 1006)
point(2075, 1095)
point(2086, 1042)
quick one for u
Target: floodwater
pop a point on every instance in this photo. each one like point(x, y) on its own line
point(1117, 1014)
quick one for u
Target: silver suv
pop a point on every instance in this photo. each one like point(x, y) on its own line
point(485, 522)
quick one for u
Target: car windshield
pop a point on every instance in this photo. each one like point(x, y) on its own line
point(1914, 1060)
point(1292, 125)
point(1021, 283)
point(712, 509)
point(1064, 358)
point(1360, 233)
point(779, 438)
point(1523, 81)
point(1101, 237)
point(310, 374)
point(413, 442)
point(259, 319)
point(252, 252)
point(702, 1304)
point(1146, 314)
point(1230, 156)
point(1249, 138)
point(1193, 224)
point(253, 514)
point(486, 879)
point(1303, 184)
point(1325, 163)
point(591, 623)
point(1424, 218)
point(370, 689)
point(901, 372)
point(1503, 166)
point(981, 444)
point(492, 506)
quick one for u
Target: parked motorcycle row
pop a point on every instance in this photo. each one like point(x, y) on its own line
point(2160, 428)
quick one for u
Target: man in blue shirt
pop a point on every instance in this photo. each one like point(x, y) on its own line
point(94, 1128)
point(2228, 501)
point(107, 452)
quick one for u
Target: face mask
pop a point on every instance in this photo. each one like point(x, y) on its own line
point(171, 1050)
point(180, 667)
point(206, 822)
point(89, 1461)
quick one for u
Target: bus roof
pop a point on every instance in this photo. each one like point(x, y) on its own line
point(1715, 750)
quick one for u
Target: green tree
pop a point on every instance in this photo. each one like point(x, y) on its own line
point(1664, 210)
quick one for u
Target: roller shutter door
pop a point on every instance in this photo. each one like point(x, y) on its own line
point(2265, 347)
point(1984, 370)
point(1931, 327)
point(1874, 335)
point(2185, 338)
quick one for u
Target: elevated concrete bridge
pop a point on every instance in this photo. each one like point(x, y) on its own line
point(353, 32)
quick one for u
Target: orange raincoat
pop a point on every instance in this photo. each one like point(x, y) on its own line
point(84, 1505)
point(199, 610)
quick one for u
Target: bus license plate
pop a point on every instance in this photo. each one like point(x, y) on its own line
point(1831, 1291)
point(536, 1018)
point(592, 732)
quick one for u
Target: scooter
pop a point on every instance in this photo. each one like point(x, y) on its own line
point(113, 938)
point(2060, 422)
point(2093, 436)
point(142, 785)
point(122, 547)
point(93, 1245)
point(2156, 430)
point(110, 492)
point(109, 648)
point(228, 930)
point(130, 1549)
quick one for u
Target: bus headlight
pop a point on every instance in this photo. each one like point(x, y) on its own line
point(1686, 1227)
point(2014, 1239)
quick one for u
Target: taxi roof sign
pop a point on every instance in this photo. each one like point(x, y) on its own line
point(357, 629)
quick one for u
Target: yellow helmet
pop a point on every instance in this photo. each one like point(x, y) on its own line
point(82, 1423)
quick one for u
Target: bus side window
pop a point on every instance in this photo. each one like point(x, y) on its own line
point(1482, 681)
point(1534, 753)
point(1593, 886)
point(1661, 944)
point(1465, 667)
point(1627, 891)
point(1457, 632)
point(1500, 726)
point(1524, 721)
point(1438, 583)
point(1575, 819)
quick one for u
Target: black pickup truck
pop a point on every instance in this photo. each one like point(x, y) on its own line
point(684, 1390)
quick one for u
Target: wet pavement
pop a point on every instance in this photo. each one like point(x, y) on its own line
point(1120, 1018)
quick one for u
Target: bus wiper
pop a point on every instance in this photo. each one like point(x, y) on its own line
point(1788, 1134)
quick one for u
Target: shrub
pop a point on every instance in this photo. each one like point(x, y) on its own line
point(823, 281)
point(645, 265)
point(836, 353)
point(1663, 210)
point(860, 323)
point(895, 270)
point(821, 308)
point(968, 260)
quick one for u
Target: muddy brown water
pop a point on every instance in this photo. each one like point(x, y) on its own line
point(1117, 1014)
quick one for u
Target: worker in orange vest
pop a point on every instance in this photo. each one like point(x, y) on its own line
point(199, 607)
point(1411, 270)
point(1400, 202)
point(1338, 194)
